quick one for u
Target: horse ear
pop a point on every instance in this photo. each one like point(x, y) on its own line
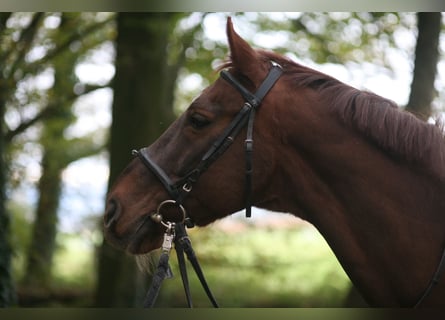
point(243, 56)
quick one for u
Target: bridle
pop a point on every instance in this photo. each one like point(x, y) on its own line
point(179, 190)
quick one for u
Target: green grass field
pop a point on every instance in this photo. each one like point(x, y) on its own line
point(270, 263)
point(251, 266)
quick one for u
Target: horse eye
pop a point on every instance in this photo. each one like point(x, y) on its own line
point(198, 121)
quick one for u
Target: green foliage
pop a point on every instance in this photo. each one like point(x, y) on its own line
point(38, 56)
point(346, 38)
point(72, 282)
point(336, 37)
point(20, 236)
point(73, 262)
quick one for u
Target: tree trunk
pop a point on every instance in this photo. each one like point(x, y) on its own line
point(140, 114)
point(7, 292)
point(16, 44)
point(425, 64)
point(38, 274)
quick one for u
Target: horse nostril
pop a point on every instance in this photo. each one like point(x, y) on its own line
point(112, 213)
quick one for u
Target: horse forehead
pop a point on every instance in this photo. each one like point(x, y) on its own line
point(216, 91)
point(216, 98)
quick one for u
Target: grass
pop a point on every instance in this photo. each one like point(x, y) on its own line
point(74, 263)
point(245, 264)
point(72, 280)
point(262, 267)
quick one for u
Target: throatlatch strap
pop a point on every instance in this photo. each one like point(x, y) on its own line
point(254, 101)
point(249, 164)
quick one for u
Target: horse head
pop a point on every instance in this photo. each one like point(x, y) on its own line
point(219, 191)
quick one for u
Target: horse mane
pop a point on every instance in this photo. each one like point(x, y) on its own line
point(380, 120)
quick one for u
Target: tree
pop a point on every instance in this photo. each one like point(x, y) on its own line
point(425, 64)
point(28, 46)
point(7, 292)
point(142, 109)
point(58, 152)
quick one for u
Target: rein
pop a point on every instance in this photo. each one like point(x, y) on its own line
point(434, 281)
point(175, 231)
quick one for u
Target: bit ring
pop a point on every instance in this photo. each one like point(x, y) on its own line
point(158, 218)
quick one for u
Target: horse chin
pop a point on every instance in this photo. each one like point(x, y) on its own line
point(144, 237)
point(143, 247)
point(147, 237)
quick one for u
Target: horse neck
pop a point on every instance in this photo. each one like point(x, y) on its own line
point(383, 218)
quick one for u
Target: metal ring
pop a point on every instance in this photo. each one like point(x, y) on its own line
point(157, 216)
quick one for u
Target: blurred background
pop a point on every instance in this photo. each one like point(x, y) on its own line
point(79, 91)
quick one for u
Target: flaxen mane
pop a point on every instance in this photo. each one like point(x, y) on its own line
point(392, 129)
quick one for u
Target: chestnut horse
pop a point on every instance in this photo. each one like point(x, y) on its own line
point(368, 176)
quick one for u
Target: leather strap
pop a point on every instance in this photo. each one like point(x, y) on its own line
point(163, 271)
point(434, 281)
point(183, 270)
point(249, 164)
point(254, 101)
point(184, 243)
point(157, 170)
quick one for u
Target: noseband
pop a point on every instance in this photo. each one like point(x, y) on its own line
point(180, 189)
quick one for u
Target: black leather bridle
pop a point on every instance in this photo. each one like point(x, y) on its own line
point(180, 189)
